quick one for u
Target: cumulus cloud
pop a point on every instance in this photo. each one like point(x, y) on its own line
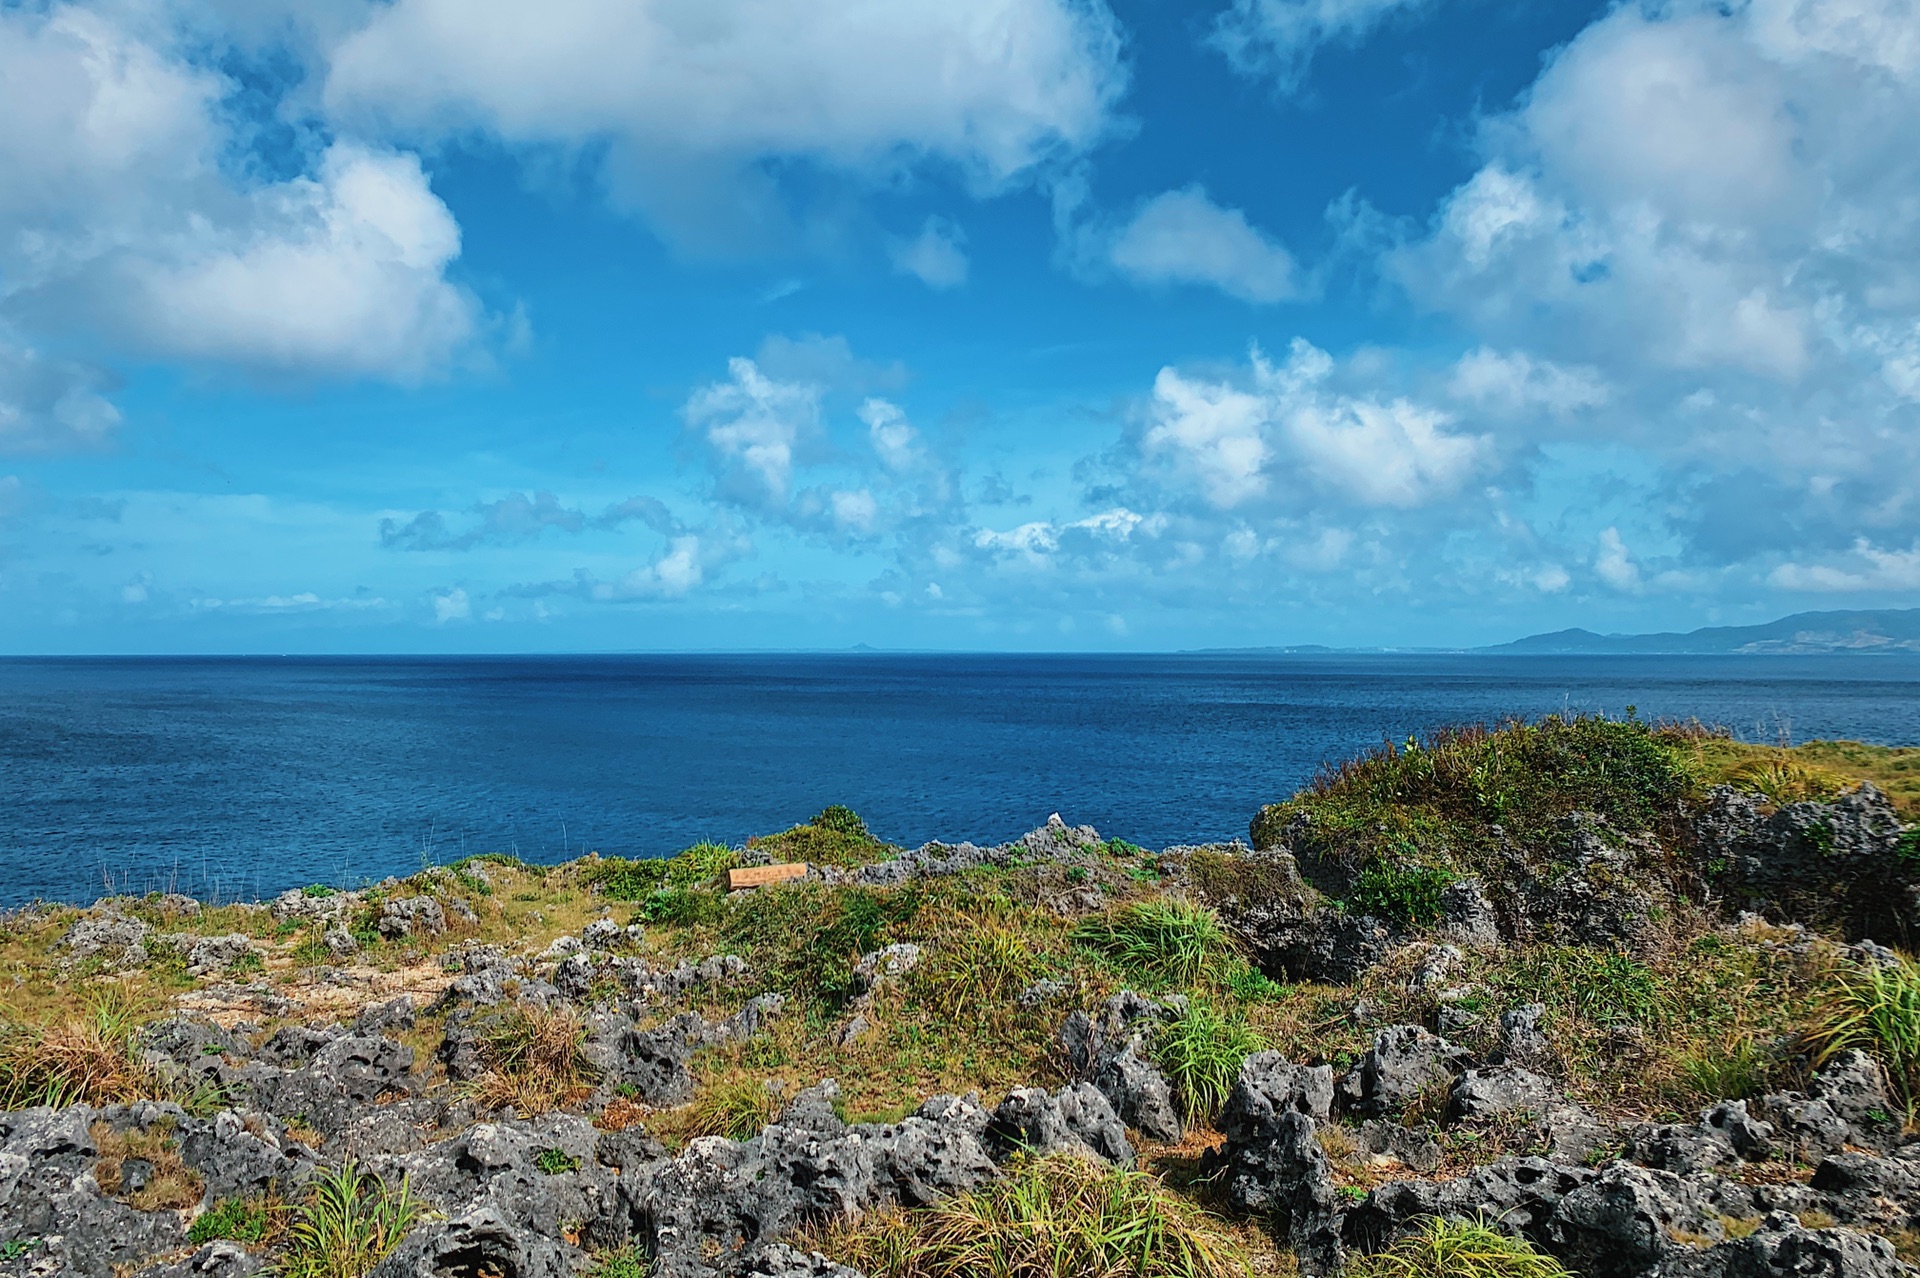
point(936, 257)
point(688, 96)
point(690, 559)
point(752, 426)
point(1286, 429)
point(1868, 568)
point(133, 208)
point(1277, 39)
point(1615, 565)
point(1697, 231)
point(1183, 237)
point(451, 605)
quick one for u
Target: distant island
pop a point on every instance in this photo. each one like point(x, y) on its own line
point(1866, 632)
point(1871, 632)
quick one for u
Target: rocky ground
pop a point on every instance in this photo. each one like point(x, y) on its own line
point(1643, 1015)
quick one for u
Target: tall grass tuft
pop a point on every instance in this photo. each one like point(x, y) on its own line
point(89, 1058)
point(1171, 941)
point(1202, 1053)
point(536, 1061)
point(1458, 1249)
point(350, 1223)
point(1877, 1010)
point(1057, 1217)
point(735, 1106)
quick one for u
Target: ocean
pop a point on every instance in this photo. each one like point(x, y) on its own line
point(242, 777)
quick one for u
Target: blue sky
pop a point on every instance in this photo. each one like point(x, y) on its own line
point(475, 325)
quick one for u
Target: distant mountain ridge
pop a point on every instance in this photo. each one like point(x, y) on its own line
point(1872, 631)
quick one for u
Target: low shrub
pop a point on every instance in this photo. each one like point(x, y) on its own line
point(1876, 1009)
point(1202, 1052)
point(237, 1219)
point(1058, 1217)
point(1172, 941)
point(836, 836)
point(349, 1223)
point(806, 937)
point(555, 1162)
point(1458, 1249)
point(535, 1060)
point(682, 906)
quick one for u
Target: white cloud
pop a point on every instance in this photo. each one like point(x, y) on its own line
point(452, 605)
point(1287, 430)
point(1183, 237)
point(894, 440)
point(1615, 565)
point(936, 256)
point(753, 424)
point(1278, 38)
point(689, 93)
point(1515, 382)
point(131, 209)
point(1869, 568)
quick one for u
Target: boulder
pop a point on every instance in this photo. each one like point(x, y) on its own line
point(1114, 1054)
point(115, 940)
point(1405, 1064)
point(1077, 1120)
point(407, 916)
point(1783, 1248)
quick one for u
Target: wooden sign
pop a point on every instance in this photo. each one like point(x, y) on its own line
point(755, 876)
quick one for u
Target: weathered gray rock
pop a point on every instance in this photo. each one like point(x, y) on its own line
point(492, 1169)
point(1783, 1248)
point(1825, 864)
point(1406, 1063)
point(1518, 1195)
point(480, 1241)
point(1628, 1219)
point(882, 965)
point(1113, 1053)
point(116, 941)
point(719, 1205)
point(220, 1259)
point(245, 1156)
point(782, 1261)
point(1500, 1090)
point(1272, 1161)
point(1076, 1120)
point(407, 916)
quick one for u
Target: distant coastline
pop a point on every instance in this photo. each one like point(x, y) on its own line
point(1872, 632)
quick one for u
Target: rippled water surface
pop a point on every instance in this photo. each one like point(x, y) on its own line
point(248, 776)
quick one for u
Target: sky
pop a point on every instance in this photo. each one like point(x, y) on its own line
point(600, 325)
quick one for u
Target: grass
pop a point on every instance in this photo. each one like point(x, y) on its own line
point(536, 1061)
point(1050, 1218)
point(1877, 1010)
point(1458, 1249)
point(240, 1220)
point(619, 879)
point(837, 836)
point(1811, 770)
point(977, 970)
point(806, 937)
point(628, 1262)
point(555, 1162)
point(1169, 941)
point(1201, 1053)
point(349, 1223)
point(169, 1183)
point(734, 1106)
point(1407, 895)
point(85, 1057)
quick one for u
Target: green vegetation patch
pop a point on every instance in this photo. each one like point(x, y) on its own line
point(555, 1162)
point(837, 836)
point(1202, 1053)
point(237, 1219)
point(1458, 1249)
point(1407, 895)
point(806, 937)
point(1168, 941)
point(1442, 798)
point(349, 1223)
point(1046, 1218)
point(1876, 1009)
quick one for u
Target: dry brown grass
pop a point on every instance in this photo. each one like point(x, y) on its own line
point(536, 1061)
point(169, 1182)
point(84, 1056)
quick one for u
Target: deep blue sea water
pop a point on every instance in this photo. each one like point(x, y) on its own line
point(246, 776)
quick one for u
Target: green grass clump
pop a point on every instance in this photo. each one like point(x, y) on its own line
point(1201, 1053)
point(536, 1060)
point(682, 907)
point(1605, 988)
point(629, 1262)
point(233, 1218)
point(1877, 1010)
point(1058, 1217)
point(1406, 895)
point(619, 879)
point(736, 1106)
point(977, 971)
point(317, 890)
point(1458, 1249)
point(1169, 941)
point(700, 865)
point(1726, 1070)
point(349, 1224)
point(555, 1162)
point(1120, 847)
point(837, 836)
point(806, 937)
